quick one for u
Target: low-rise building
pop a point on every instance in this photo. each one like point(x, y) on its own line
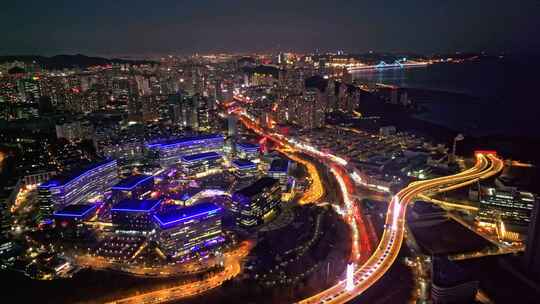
point(135, 216)
point(132, 187)
point(279, 169)
point(69, 221)
point(200, 163)
point(244, 168)
point(248, 151)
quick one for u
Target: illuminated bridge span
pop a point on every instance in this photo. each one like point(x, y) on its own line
point(398, 64)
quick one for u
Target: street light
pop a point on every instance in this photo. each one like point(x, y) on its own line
point(459, 137)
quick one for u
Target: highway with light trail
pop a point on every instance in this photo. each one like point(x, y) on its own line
point(368, 273)
point(368, 270)
point(233, 267)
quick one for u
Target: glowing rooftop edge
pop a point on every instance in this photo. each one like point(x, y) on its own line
point(184, 217)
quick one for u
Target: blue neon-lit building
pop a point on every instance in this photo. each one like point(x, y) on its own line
point(132, 187)
point(80, 212)
point(198, 163)
point(76, 187)
point(135, 216)
point(169, 152)
point(244, 168)
point(69, 220)
point(248, 150)
point(188, 230)
point(257, 203)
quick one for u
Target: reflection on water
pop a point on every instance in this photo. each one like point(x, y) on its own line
point(494, 96)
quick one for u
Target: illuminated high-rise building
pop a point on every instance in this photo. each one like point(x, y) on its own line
point(313, 108)
point(29, 90)
point(532, 249)
point(143, 85)
point(203, 115)
point(149, 108)
point(232, 122)
point(189, 111)
point(134, 108)
point(514, 208)
point(178, 109)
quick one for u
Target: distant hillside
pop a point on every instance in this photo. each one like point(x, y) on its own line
point(68, 61)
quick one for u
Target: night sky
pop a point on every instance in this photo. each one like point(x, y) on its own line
point(120, 27)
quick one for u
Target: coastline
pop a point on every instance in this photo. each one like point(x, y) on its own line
point(509, 146)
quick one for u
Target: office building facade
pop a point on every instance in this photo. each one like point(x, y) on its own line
point(257, 203)
point(279, 169)
point(184, 231)
point(132, 187)
point(169, 152)
point(248, 151)
point(532, 248)
point(69, 221)
point(135, 216)
point(514, 208)
point(244, 168)
point(76, 187)
point(199, 163)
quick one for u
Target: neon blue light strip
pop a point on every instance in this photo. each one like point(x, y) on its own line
point(133, 186)
point(54, 183)
point(182, 141)
point(75, 215)
point(136, 210)
point(248, 147)
point(204, 156)
point(162, 224)
point(247, 166)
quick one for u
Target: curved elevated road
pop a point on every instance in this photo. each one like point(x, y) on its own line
point(392, 238)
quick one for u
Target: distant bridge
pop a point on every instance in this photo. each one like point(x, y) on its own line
point(397, 64)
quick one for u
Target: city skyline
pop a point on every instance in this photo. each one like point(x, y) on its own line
point(308, 152)
point(138, 29)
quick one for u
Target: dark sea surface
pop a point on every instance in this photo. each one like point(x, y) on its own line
point(486, 97)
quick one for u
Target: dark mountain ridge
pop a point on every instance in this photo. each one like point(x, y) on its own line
point(68, 61)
